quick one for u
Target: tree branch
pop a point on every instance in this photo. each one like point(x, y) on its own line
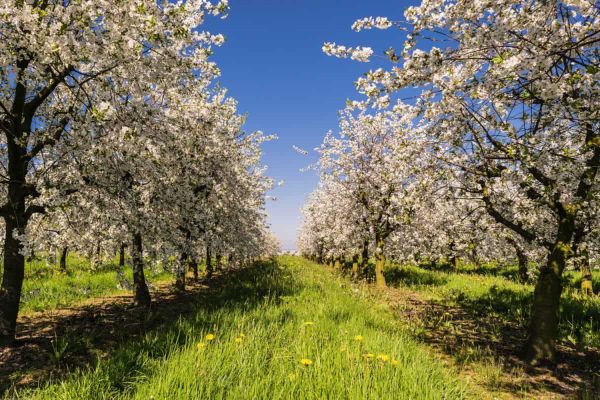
point(514, 226)
point(34, 209)
point(49, 141)
point(32, 105)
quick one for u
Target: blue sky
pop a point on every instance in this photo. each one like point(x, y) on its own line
point(273, 65)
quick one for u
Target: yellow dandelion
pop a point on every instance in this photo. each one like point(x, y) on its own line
point(209, 337)
point(369, 355)
point(383, 357)
point(239, 340)
point(306, 362)
point(200, 345)
point(395, 362)
point(308, 323)
point(242, 335)
point(358, 338)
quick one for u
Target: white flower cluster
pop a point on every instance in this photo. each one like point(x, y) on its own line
point(362, 54)
point(371, 23)
point(300, 150)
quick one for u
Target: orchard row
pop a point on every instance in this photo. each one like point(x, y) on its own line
point(480, 140)
point(114, 134)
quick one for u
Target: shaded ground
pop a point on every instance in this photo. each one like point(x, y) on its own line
point(487, 348)
point(50, 344)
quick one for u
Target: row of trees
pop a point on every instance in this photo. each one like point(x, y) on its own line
point(115, 135)
point(492, 153)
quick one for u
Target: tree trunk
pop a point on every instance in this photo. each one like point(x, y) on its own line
point(320, 255)
point(453, 259)
point(17, 127)
point(218, 259)
point(522, 260)
point(122, 256)
point(337, 264)
point(12, 283)
point(209, 266)
point(95, 257)
point(364, 262)
point(50, 259)
point(543, 328)
point(379, 263)
point(63, 259)
point(475, 255)
point(15, 222)
point(231, 261)
point(355, 266)
point(98, 254)
point(141, 293)
point(523, 266)
point(586, 275)
point(180, 273)
point(417, 258)
point(454, 262)
point(194, 266)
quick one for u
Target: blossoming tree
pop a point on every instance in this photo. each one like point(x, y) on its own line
point(511, 99)
point(95, 130)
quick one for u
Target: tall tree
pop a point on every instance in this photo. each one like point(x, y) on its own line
point(61, 63)
point(511, 105)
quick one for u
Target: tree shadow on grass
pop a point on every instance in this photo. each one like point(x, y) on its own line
point(508, 272)
point(579, 318)
point(495, 323)
point(412, 276)
point(51, 344)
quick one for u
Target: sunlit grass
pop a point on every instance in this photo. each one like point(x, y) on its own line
point(286, 331)
point(46, 287)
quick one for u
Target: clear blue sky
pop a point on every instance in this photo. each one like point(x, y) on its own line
point(273, 65)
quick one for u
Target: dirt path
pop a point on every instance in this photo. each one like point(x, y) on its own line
point(486, 350)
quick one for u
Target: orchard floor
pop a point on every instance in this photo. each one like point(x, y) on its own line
point(486, 349)
point(358, 342)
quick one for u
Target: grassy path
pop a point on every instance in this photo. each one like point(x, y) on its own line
point(285, 330)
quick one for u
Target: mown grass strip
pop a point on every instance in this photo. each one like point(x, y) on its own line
point(284, 330)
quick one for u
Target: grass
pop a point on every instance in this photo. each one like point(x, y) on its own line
point(478, 317)
point(494, 292)
point(265, 321)
point(572, 279)
point(46, 287)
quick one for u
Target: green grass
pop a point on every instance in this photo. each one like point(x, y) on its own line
point(270, 304)
point(499, 295)
point(46, 287)
point(572, 279)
